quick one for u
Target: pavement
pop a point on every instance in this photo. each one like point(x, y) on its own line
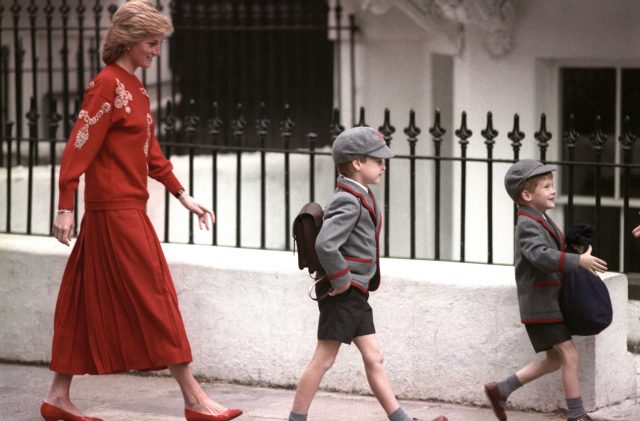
point(135, 397)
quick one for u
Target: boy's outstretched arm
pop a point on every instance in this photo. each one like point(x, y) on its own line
point(636, 231)
point(592, 263)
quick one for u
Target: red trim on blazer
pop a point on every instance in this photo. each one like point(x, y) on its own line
point(352, 283)
point(338, 274)
point(535, 321)
point(374, 218)
point(559, 241)
point(361, 197)
point(358, 286)
point(542, 284)
point(358, 259)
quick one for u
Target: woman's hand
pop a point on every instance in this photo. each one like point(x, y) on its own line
point(636, 231)
point(204, 214)
point(63, 227)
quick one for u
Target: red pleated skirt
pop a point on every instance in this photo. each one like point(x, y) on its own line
point(117, 308)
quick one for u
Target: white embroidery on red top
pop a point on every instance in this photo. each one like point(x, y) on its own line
point(122, 97)
point(146, 144)
point(83, 134)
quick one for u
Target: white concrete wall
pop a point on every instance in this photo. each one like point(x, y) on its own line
point(445, 328)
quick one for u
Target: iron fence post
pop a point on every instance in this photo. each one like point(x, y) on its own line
point(215, 126)
point(463, 133)
point(169, 130)
point(54, 122)
point(32, 118)
point(286, 127)
point(598, 139)
point(237, 127)
point(437, 133)
point(516, 136)
point(412, 131)
point(571, 138)
point(489, 133)
point(191, 122)
point(311, 138)
point(626, 139)
point(387, 131)
point(262, 127)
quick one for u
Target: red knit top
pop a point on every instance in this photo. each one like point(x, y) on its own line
point(113, 143)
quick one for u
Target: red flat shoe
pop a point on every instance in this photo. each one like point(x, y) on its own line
point(53, 413)
point(229, 414)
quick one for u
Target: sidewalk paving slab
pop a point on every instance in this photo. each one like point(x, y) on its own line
point(128, 397)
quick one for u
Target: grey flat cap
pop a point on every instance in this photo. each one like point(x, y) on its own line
point(518, 174)
point(358, 142)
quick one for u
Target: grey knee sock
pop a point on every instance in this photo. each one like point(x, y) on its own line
point(508, 385)
point(297, 417)
point(576, 410)
point(399, 415)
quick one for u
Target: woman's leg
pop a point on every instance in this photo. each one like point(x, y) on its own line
point(59, 394)
point(195, 399)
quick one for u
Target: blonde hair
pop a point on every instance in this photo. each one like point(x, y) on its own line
point(532, 184)
point(133, 22)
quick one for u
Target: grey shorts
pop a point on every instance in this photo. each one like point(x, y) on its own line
point(345, 316)
point(544, 336)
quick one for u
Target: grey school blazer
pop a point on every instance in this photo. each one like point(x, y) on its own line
point(540, 263)
point(347, 244)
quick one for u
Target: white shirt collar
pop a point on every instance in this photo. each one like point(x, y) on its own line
point(366, 190)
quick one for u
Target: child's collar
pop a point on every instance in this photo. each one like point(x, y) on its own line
point(364, 188)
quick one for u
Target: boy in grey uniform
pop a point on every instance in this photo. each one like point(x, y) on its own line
point(540, 262)
point(347, 248)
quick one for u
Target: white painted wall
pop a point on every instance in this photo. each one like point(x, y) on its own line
point(445, 328)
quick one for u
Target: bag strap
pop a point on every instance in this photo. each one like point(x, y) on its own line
point(313, 286)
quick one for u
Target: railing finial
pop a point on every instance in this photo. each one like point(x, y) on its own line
point(489, 133)
point(463, 133)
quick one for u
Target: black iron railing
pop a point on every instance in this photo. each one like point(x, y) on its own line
point(231, 51)
point(419, 184)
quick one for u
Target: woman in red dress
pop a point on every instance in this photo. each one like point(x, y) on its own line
point(117, 308)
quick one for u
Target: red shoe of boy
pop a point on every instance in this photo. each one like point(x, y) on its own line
point(493, 394)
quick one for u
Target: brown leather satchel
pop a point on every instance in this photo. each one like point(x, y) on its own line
point(306, 227)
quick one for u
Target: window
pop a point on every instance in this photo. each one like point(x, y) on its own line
point(252, 51)
point(612, 93)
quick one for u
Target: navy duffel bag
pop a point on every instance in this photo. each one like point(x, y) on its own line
point(584, 298)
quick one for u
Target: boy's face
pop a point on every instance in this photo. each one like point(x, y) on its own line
point(543, 196)
point(370, 171)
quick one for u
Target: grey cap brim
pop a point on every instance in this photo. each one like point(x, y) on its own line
point(543, 169)
point(383, 152)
